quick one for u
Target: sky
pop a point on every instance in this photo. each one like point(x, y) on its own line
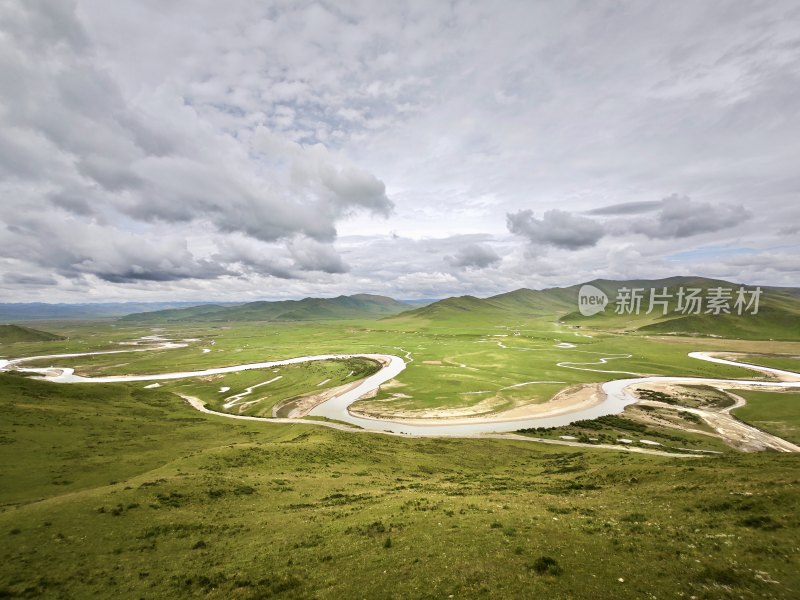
point(247, 150)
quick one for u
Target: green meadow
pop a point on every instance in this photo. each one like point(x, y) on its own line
point(111, 490)
point(774, 412)
point(786, 363)
point(269, 387)
point(118, 490)
point(454, 363)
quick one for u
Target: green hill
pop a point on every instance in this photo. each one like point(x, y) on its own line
point(359, 306)
point(449, 308)
point(778, 316)
point(772, 322)
point(176, 314)
point(548, 301)
point(10, 334)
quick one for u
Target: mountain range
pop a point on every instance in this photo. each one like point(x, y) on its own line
point(35, 311)
point(778, 314)
point(358, 306)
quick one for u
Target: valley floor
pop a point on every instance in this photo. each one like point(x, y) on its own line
point(121, 489)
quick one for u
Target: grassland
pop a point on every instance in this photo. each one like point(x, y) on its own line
point(774, 412)
point(775, 361)
point(269, 387)
point(111, 490)
point(117, 490)
point(455, 364)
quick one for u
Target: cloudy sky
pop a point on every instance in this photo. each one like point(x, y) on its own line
point(255, 150)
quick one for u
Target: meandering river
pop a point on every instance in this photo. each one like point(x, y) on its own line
point(616, 395)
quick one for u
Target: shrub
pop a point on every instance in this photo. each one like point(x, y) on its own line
point(547, 565)
point(761, 522)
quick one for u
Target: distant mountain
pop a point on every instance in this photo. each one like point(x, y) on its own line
point(778, 316)
point(519, 303)
point(359, 306)
point(420, 301)
point(178, 314)
point(40, 310)
point(11, 334)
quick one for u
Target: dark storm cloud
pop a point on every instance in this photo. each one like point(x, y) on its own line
point(557, 228)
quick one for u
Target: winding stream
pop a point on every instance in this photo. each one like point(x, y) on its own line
point(337, 407)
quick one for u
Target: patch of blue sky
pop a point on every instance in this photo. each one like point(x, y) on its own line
point(709, 252)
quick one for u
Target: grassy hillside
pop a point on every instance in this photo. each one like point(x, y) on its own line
point(11, 334)
point(111, 491)
point(308, 309)
point(519, 304)
point(525, 301)
point(777, 318)
point(449, 308)
point(176, 314)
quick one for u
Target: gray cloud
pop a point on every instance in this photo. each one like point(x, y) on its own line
point(73, 248)
point(474, 256)
point(626, 208)
point(311, 255)
point(294, 260)
point(73, 140)
point(28, 279)
point(254, 257)
point(557, 228)
point(681, 217)
point(272, 125)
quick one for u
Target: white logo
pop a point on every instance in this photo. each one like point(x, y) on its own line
point(591, 300)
